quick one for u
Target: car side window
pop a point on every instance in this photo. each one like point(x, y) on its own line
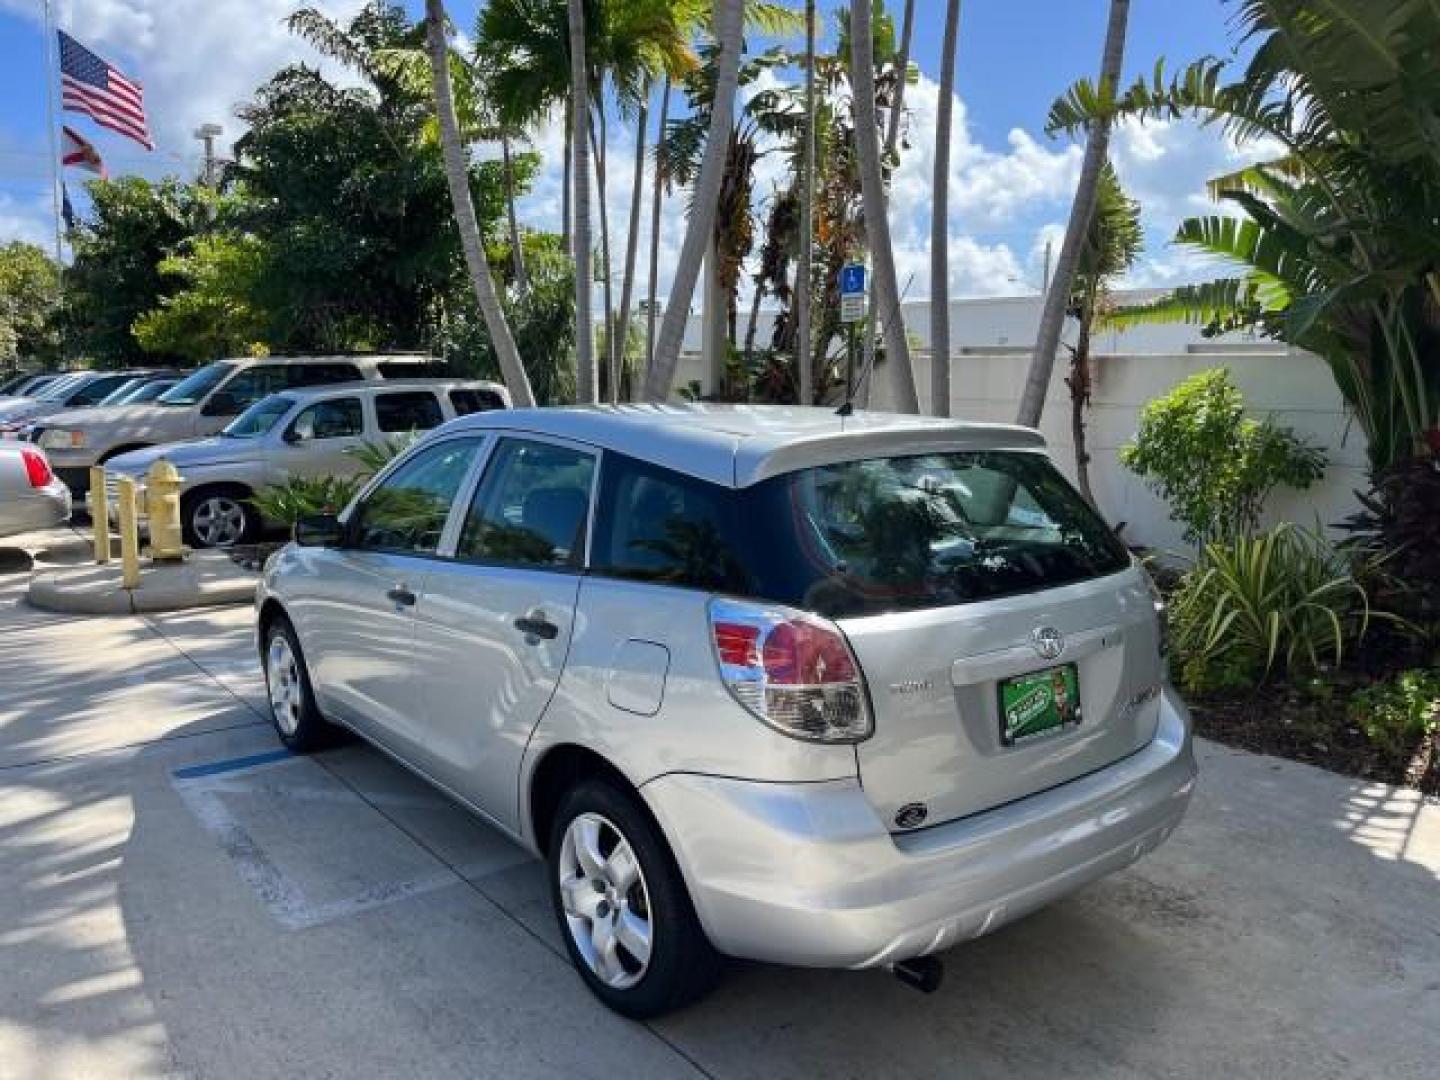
point(473, 401)
point(416, 410)
point(662, 526)
point(338, 418)
point(406, 512)
point(321, 374)
point(251, 385)
point(531, 507)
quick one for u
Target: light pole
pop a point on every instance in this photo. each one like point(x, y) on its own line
point(207, 134)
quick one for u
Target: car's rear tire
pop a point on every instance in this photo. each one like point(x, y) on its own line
point(218, 518)
point(293, 710)
point(622, 905)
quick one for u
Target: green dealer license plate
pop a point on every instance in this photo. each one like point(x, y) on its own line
point(1039, 703)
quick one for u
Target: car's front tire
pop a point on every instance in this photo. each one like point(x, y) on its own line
point(622, 905)
point(293, 710)
point(218, 518)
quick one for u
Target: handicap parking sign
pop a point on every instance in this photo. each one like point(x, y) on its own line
point(852, 279)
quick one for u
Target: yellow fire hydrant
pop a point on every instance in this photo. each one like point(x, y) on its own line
point(162, 507)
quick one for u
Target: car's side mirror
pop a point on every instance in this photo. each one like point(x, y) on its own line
point(222, 403)
point(319, 530)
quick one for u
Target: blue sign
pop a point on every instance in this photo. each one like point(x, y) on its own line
point(852, 280)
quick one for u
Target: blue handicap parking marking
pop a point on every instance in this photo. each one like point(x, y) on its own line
point(214, 768)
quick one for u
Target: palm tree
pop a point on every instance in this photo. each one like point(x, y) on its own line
point(940, 222)
point(586, 380)
point(457, 176)
point(1052, 318)
point(728, 20)
point(1112, 244)
point(877, 225)
point(805, 376)
point(658, 197)
point(632, 234)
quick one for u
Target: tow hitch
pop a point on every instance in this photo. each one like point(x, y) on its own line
point(923, 973)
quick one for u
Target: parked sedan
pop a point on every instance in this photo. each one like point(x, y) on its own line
point(31, 497)
point(304, 433)
point(764, 682)
point(78, 391)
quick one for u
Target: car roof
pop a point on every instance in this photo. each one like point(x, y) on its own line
point(373, 386)
point(740, 445)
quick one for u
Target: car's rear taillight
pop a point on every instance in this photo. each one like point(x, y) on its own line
point(36, 468)
point(791, 669)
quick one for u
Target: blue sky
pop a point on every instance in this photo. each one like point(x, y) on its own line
point(198, 58)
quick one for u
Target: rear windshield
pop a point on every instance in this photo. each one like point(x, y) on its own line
point(862, 537)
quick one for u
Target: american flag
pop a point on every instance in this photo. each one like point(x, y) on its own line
point(91, 86)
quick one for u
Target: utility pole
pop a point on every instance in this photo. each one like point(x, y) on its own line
point(207, 134)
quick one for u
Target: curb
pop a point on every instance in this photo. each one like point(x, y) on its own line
point(96, 590)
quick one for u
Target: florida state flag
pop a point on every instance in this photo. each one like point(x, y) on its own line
point(78, 151)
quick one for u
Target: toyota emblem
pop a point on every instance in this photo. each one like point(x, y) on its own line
point(1048, 642)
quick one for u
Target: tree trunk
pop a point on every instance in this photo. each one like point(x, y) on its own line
point(517, 250)
point(727, 20)
point(892, 140)
point(585, 373)
point(457, 176)
point(612, 361)
point(750, 327)
point(1079, 383)
point(632, 235)
point(805, 374)
point(567, 232)
point(940, 222)
point(1052, 319)
point(656, 205)
point(900, 375)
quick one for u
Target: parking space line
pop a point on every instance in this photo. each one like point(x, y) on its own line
point(215, 768)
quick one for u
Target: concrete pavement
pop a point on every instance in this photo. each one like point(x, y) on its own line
point(181, 900)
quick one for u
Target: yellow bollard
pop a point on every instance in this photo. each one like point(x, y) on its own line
point(99, 515)
point(162, 508)
point(129, 535)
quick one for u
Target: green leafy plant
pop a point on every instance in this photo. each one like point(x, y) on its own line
point(302, 496)
point(1211, 463)
point(1398, 712)
point(1281, 600)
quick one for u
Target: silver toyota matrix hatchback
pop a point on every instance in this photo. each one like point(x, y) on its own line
point(755, 681)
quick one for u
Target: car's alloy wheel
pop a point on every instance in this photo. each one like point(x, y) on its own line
point(218, 521)
point(287, 692)
point(606, 903)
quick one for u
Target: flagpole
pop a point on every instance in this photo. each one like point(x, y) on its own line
point(50, 123)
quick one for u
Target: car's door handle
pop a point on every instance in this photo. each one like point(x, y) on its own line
point(536, 625)
point(401, 596)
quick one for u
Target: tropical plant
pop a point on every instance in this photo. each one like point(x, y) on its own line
point(1112, 244)
point(1400, 711)
point(1400, 520)
point(1281, 601)
point(1057, 296)
point(457, 176)
point(29, 295)
point(940, 221)
point(803, 288)
point(217, 312)
point(304, 496)
point(1211, 463)
point(728, 21)
point(877, 223)
point(1337, 237)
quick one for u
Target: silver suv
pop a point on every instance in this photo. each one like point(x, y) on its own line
point(756, 681)
point(201, 404)
point(299, 433)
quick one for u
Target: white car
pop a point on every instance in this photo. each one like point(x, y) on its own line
point(31, 496)
point(762, 682)
point(298, 433)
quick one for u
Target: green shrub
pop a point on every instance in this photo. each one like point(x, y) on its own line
point(301, 496)
point(1396, 713)
point(1282, 600)
point(1212, 464)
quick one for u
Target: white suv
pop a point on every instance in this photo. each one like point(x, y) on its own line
point(765, 682)
point(305, 433)
point(200, 404)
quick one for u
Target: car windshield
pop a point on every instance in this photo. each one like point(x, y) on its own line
point(190, 390)
point(901, 533)
point(58, 389)
point(259, 418)
point(121, 392)
point(138, 391)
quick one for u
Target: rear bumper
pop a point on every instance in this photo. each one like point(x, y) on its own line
point(807, 874)
point(40, 509)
